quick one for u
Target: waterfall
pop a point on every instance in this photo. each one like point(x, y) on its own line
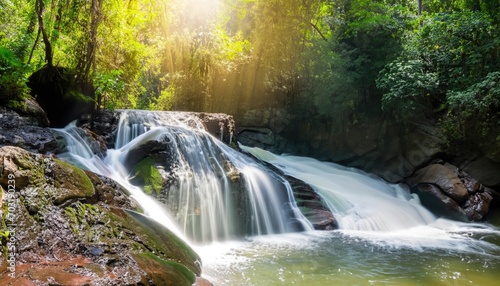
point(358, 201)
point(214, 193)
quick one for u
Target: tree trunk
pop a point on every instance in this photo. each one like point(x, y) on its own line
point(39, 7)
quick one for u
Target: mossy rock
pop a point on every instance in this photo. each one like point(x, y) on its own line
point(149, 175)
point(27, 168)
point(71, 182)
point(164, 272)
point(68, 217)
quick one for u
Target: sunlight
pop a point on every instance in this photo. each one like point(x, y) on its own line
point(196, 14)
point(205, 6)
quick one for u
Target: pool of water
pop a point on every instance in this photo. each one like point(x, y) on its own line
point(445, 253)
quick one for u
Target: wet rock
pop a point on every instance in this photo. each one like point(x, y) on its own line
point(312, 205)
point(473, 186)
point(200, 281)
point(433, 198)
point(102, 124)
point(220, 125)
point(71, 229)
point(478, 205)
point(444, 178)
point(25, 132)
point(484, 170)
point(495, 202)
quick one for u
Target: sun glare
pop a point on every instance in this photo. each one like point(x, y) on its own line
point(198, 12)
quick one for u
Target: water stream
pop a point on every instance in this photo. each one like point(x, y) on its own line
point(385, 238)
point(218, 193)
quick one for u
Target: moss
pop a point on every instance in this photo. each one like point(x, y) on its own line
point(163, 240)
point(74, 181)
point(34, 165)
point(171, 264)
point(146, 170)
point(17, 105)
point(73, 220)
point(83, 218)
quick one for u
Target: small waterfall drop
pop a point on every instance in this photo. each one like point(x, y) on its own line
point(358, 201)
point(215, 194)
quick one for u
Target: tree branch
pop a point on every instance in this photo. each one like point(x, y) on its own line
point(317, 29)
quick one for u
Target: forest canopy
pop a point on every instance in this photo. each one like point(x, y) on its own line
point(340, 60)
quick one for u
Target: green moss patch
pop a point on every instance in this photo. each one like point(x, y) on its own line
point(164, 272)
point(151, 177)
point(71, 181)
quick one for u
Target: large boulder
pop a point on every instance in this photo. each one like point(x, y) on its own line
point(62, 97)
point(72, 227)
point(444, 178)
point(438, 203)
point(483, 169)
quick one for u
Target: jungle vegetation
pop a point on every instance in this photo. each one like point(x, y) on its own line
point(336, 60)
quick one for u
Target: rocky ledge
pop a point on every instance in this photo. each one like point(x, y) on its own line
point(103, 124)
point(65, 226)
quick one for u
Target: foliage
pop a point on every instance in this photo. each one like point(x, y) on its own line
point(166, 100)
point(474, 112)
point(354, 40)
point(336, 61)
point(443, 61)
point(109, 88)
point(408, 88)
point(13, 87)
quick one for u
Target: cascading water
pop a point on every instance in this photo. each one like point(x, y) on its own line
point(216, 193)
point(358, 201)
point(385, 238)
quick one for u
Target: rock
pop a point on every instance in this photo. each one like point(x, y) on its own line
point(62, 98)
point(478, 205)
point(444, 178)
point(71, 182)
point(438, 203)
point(71, 229)
point(220, 125)
point(312, 205)
point(484, 170)
point(256, 118)
point(25, 132)
point(257, 137)
point(473, 186)
point(495, 195)
point(200, 281)
point(33, 110)
point(102, 123)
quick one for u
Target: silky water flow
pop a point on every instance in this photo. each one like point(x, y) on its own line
point(244, 222)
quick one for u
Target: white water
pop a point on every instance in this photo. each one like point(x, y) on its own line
point(203, 204)
point(357, 200)
point(385, 238)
